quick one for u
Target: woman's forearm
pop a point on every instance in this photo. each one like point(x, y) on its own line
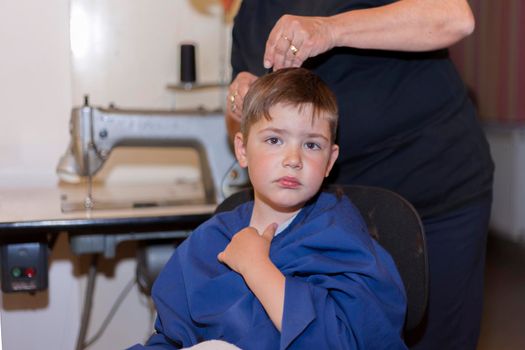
point(405, 25)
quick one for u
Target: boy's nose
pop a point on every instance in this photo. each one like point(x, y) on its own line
point(292, 159)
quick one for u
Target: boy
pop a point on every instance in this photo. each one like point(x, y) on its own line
point(296, 267)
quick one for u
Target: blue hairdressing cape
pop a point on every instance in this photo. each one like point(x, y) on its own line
point(342, 289)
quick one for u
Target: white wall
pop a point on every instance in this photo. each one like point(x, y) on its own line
point(507, 145)
point(35, 93)
point(125, 52)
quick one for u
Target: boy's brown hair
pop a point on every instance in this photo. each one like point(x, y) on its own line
point(292, 86)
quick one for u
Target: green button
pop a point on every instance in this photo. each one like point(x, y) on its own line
point(16, 272)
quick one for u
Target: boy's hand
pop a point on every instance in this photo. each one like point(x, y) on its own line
point(248, 254)
point(248, 249)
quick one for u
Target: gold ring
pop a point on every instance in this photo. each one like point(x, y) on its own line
point(293, 49)
point(232, 97)
point(232, 101)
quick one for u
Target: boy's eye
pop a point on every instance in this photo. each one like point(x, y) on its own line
point(312, 145)
point(273, 140)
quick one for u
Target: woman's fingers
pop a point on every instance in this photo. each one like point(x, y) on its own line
point(236, 92)
point(294, 39)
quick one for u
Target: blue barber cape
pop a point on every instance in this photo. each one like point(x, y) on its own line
point(342, 289)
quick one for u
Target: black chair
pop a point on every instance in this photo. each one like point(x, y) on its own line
point(396, 225)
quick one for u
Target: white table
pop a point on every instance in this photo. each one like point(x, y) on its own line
point(34, 214)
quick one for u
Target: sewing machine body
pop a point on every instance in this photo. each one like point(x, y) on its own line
point(95, 132)
point(38, 218)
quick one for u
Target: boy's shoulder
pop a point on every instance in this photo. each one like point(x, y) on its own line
point(213, 234)
point(227, 221)
point(334, 216)
point(335, 204)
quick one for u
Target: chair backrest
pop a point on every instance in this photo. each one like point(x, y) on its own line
point(396, 225)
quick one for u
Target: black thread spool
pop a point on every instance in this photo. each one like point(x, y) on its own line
point(187, 64)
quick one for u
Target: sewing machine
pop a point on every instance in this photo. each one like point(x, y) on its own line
point(33, 219)
point(95, 132)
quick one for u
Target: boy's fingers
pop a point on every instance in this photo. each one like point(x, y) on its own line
point(220, 257)
point(269, 232)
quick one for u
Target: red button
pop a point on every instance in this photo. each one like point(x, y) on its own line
point(29, 272)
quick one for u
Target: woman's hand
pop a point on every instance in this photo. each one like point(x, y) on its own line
point(404, 25)
point(248, 249)
point(234, 102)
point(294, 39)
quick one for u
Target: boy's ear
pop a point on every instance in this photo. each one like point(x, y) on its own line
point(240, 150)
point(334, 153)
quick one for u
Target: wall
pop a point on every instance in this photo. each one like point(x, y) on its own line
point(491, 60)
point(35, 94)
point(127, 52)
point(122, 52)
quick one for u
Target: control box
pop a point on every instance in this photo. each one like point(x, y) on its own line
point(24, 266)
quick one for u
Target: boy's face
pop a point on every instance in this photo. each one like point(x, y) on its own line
point(287, 157)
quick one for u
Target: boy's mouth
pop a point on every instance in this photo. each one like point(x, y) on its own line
point(289, 182)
